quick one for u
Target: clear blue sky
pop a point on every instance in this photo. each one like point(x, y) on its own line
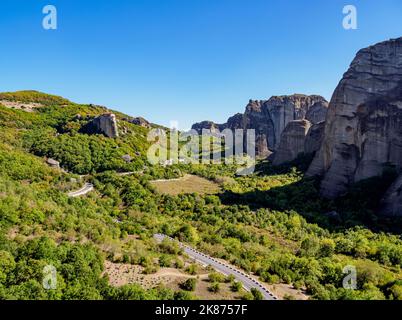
point(185, 60)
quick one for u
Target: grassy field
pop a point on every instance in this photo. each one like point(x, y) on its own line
point(187, 184)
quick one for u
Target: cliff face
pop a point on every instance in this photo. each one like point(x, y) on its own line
point(269, 118)
point(292, 141)
point(105, 124)
point(207, 125)
point(284, 109)
point(363, 130)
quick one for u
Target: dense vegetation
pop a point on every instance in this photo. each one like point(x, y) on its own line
point(272, 223)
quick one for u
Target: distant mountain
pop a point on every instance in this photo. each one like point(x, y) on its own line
point(270, 117)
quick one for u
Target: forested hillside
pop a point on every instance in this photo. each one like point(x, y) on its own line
point(272, 224)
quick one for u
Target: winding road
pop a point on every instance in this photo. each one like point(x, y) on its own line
point(88, 187)
point(224, 268)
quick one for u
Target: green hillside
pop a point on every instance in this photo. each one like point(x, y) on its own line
point(261, 223)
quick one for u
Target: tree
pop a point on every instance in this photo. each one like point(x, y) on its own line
point(396, 291)
point(183, 295)
point(7, 264)
point(189, 284)
point(230, 278)
point(327, 248)
point(214, 287)
point(256, 294)
point(236, 286)
point(216, 277)
point(165, 261)
point(192, 269)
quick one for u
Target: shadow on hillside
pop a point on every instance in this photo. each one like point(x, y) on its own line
point(301, 163)
point(357, 208)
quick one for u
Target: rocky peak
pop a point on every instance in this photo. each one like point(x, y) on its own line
point(269, 118)
point(235, 122)
point(254, 106)
point(363, 128)
point(207, 125)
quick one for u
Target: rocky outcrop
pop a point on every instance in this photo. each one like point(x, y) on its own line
point(207, 125)
point(104, 124)
point(269, 118)
point(284, 109)
point(299, 137)
point(127, 158)
point(140, 121)
point(292, 141)
point(391, 205)
point(235, 122)
point(53, 163)
point(363, 130)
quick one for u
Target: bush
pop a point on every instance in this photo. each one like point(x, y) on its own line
point(192, 269)
point(183, 295)
point(178, 263)
point(247, 296)
point(214, 287)
point(165, 261)
point(189, 284)
point(236, 286)
point(257, 295)
point(230, 278)
point(216, 277)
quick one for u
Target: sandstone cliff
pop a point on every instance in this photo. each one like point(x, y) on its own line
point(292, 141)
point(104, 124)
point(269, 118)
point(363, 130)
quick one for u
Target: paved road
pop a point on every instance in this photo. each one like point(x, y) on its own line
point(88, 187)
point(226, 269)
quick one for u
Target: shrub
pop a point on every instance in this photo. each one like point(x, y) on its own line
point(189, 284)
point(256, 294)
point(236, 286)
point(216, 277)
point(192, 269)
point(214, 287)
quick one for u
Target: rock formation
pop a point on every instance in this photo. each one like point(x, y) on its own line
point(269, 118)
point(299, 137)
point(207, 125)
point(363, 130)
point(104, 124)
point(127, 158)
point(53, 163)
point(140, 121)
point(292, 141)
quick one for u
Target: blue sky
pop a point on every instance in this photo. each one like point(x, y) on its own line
point(185, 60)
